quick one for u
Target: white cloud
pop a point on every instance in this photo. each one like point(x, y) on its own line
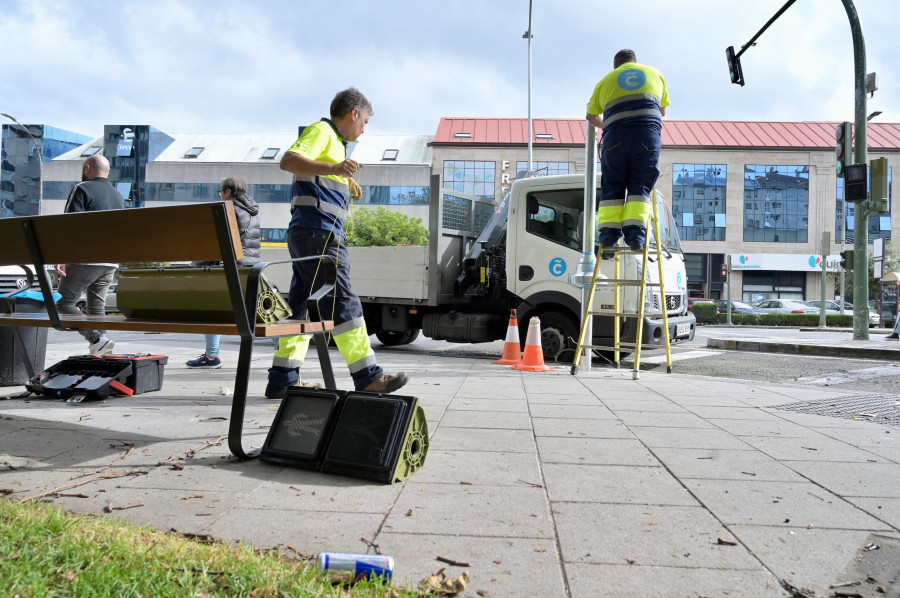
point(234, 66)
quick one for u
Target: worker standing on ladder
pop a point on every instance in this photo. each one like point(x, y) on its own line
point(628, 104)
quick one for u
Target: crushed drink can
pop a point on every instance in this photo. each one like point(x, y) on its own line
point(345, 566)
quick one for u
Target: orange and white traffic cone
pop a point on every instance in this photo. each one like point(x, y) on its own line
point(512, 348)
point(533, 359)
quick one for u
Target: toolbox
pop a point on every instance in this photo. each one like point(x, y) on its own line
point(82, 378)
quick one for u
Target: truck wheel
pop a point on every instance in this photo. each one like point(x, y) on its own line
point(392, 339)
point(559, 332)
point(82, 306)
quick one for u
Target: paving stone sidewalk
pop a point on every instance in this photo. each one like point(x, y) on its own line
point(545, 484)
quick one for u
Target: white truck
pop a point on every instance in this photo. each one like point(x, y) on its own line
point(484, 259)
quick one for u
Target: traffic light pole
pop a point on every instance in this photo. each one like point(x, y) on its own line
point(861, 156)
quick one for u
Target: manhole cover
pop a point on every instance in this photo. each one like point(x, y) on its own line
point(881, 409)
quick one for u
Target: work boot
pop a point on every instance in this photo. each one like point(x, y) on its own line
point(386, 384)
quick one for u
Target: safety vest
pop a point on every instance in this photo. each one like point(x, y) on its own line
point(632, 93)
point(320, 201)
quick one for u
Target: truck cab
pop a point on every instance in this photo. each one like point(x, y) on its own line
point(544, 248)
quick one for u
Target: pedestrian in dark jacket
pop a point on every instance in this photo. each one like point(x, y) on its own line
point(247, 212)
point(93, 194)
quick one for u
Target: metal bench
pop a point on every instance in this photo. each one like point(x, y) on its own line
point(203, 231)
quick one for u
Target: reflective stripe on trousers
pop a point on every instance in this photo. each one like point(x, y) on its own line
point(342, 306)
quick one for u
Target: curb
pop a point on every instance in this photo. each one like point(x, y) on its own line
point(804, 349)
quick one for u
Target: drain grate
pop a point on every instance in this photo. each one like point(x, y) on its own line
point(881, 409)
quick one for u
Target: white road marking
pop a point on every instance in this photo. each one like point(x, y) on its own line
point(851, 376)
point(680, 356)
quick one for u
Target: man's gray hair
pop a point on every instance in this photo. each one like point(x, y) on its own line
point(345, 101)
point(238, 186)
point(623, 56)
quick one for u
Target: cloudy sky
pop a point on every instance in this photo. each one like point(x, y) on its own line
point(265, 66)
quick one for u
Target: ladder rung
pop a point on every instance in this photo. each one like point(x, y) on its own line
point(614, 313)
point(628, 282)
point(622, 346)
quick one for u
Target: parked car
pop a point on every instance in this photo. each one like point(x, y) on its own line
point(737, 307)
point(786, 306)
point(693, 300)
point(833, 307)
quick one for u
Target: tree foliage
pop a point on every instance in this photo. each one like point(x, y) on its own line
point(383, 228)
point(891, 264)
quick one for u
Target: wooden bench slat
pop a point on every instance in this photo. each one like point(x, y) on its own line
point(112, 322)
point(156, 234)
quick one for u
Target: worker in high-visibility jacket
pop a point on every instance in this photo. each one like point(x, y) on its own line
point(628, 104)
point(322, 190)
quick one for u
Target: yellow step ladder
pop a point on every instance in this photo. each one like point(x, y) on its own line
point(583, 348)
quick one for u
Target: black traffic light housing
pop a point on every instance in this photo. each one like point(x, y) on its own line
point(843, 149)
point(734, 66)
point(856, 184)
point(847, 259)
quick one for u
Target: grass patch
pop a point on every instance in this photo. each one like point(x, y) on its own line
point(46, 551)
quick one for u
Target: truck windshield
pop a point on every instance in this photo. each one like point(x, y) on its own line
point(667, 229)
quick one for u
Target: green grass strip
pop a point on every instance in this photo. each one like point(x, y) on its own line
point(46, 551)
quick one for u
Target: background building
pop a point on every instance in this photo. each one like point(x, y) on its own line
point(760, 192)
point(21, 165)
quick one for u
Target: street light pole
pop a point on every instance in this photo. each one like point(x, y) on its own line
point(40, 158)
point(530, 125)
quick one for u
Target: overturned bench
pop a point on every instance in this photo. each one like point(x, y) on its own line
point(195, 232)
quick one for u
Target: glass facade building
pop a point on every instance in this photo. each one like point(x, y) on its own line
point(129, 149)
point(776, 203)
point(21, 165)
point(470, 177)
point(543, 168)
point(698, 201)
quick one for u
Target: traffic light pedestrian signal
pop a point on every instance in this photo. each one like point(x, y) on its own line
point(843, 149)
point(847, 259)
point(734, 66)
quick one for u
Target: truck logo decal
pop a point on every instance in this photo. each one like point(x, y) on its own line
point(557, 266)
point(678, 281)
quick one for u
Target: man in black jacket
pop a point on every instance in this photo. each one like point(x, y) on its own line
point(93, 194)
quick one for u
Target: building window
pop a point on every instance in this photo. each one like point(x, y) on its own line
point(776, 200)
point(544, 136)
point(395, 196)
point(470, 177)
point(462, 135)
point(543, 168)
point(879, 224)
point(90, 151)
point(390, 154)
point(698, 201)
point(269, 154)
point(193, 152)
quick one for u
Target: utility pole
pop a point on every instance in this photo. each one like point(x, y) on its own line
point(861, 156)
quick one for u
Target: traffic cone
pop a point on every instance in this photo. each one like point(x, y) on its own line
point(533, 359)
point(512, 349)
